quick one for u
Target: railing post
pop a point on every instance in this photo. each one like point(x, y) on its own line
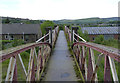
point(90, 66)
point(107, 74)
point(44, 38)
point(72, 35)
point(74, 30)
point(49, 29)
point(30, 74)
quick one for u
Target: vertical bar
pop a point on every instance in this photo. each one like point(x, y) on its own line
point(38, 64)
point(41, 66)
point(113, 69)
point(70, 37)
point(107, 73)
point(78, 54)
point(55, 34)
point(93, 63)
point(82, 68)
point(49, 37)
point(22, 64)
point(90, 67)
point(15, 73)
point(30, 67)
point(1, 49)
point(41, 62)
point(73, 36)
point(10, 71)
point(78, 39)
point(33, 73)
point(44, 38)
point(85, 62)
point(96, 67)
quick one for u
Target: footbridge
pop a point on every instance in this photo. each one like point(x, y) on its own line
point(60, 55)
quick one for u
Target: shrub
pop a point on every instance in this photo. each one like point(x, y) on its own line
point(46, 24)
point(3, 43)
point(25, 55)
point(99, 39)
point(17, 42)
point(83, 35)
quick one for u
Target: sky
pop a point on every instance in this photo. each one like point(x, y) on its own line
point(59, 9)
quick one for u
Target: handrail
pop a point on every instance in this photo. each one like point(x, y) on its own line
point(42, 38)
point(37, 61)
point(109, 51)
point(83, 53)
point(69, 32)
point(110, 54)
point(80, 37)
point(6, 54)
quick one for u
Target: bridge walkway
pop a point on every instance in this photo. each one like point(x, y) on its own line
point(60, 67)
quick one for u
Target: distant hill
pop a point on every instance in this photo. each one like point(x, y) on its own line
point(21, 20)
point(95, 20)
point(87, 20)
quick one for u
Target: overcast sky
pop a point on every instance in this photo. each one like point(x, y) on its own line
point(59, 9)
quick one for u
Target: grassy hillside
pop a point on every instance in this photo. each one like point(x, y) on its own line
point(87, 20)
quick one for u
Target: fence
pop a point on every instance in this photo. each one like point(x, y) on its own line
point(87, 64)
point(38, 57)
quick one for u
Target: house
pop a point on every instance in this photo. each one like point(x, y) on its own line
point(27, 32)
point(107, 32)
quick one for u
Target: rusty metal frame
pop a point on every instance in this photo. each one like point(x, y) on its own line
point(90, 73)
point(109, 61)
point(113, 55)
point(7, 56)
point(11, 68)
point(35, 71)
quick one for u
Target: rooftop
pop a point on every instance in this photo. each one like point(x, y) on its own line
point(101, 30)
point(20, 28)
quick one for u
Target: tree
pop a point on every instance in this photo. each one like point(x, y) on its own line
point(80, 32)
point(99, 39)
point(83, 35)
point(86, 36)
point(46, 24)
point(7, 21)
point(17, 42)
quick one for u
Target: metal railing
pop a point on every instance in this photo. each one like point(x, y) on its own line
point(88, 64)
point(39, 54)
